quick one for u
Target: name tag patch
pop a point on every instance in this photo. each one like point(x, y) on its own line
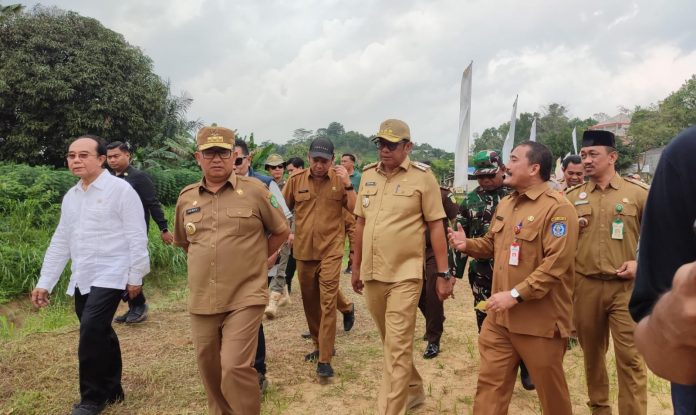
point(370, 184)
point(193, 210)
point(559, 229)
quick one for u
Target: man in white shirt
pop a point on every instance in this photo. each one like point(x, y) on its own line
point(109, 260)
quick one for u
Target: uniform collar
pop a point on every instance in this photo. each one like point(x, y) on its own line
point(535, 191)
point(615, 182)
point(405, 165)
point(232, 180)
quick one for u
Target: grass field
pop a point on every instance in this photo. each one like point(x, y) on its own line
point(38, 364)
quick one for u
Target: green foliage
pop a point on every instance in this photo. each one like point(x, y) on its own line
point(30, 207)
point(656, 125)
point(168, 183)
point(62, 75)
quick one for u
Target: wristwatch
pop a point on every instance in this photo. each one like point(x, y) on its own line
point(445, 275)
point(516, 295)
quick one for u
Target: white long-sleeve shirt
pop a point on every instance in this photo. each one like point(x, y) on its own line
point(101, 230)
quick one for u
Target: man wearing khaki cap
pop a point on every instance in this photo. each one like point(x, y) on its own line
point(398, 200)
point(222, 222)
point(318, 196)
point(275, 166)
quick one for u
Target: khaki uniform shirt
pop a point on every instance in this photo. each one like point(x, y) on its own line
point(225, 235)
point(318, 207)
point(598, 253)
point(396, 209)
point(545, 226)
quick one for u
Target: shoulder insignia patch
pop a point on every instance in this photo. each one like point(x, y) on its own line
point(637, 183)
point(558, 229)
point(558, 219)
point(296, 172)
point(189, 187)
point(420, 166)
point(370, 166)
point(272, 200)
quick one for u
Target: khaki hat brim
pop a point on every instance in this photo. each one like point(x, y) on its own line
point(211, 145)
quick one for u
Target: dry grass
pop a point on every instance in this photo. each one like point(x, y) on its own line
point(38, 372)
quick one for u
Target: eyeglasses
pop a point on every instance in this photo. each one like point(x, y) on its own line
point(210, 154)
point(388, 144)
point(81, 156)
point(280, 166)
point(239, 161)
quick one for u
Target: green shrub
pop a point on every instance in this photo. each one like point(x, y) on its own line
point(168, 183)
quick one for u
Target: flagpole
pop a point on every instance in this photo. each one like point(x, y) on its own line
point(461, 155)
point(510, 139)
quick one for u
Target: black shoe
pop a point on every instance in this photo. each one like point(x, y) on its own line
point(306, 335)
point(526, 380)
point(314, 356)
point(324, 370)
point(263, 383)
point(349, 318)
point(122, 318)
point(137, 314)
point(85, 408)
point(432, 350)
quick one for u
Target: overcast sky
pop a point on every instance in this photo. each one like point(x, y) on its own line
point(274, 66)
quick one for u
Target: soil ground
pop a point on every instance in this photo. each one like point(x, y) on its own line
point(38, 372)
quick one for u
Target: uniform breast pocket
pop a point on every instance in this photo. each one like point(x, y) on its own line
point(406, 199)
point(367, 197)
point(193, 224)
point(528, 235)
point(629, 210)
point(584, 216)
point(240, 221)
point(302, 197)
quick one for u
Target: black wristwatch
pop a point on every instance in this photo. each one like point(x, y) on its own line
point(445, 275)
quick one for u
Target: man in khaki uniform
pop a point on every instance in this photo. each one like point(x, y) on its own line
point(609, 209)
point(399, 199)
point(222, 222)
point(532, 240)
point(318, 196)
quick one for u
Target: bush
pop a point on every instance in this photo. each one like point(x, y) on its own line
point(168, 183)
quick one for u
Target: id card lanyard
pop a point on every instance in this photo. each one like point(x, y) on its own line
point(617, 226)
point(515, 247)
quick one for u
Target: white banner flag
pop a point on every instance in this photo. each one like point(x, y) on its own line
point(461, 155)
point(532, 132)
point(575, 140)
point(510, 139)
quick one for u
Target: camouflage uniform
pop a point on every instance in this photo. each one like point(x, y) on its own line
point(475, 215)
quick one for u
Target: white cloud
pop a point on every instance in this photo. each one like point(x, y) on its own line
point(272, 66)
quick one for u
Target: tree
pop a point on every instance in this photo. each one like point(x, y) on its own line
point(10, 10)
point(62, 75)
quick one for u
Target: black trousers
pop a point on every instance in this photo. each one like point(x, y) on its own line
point(430, 305)
point(260, 359)
point(98, 352)
point(137, 301)
point(290, 271)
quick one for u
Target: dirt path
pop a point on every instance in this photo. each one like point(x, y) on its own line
point(38, 373)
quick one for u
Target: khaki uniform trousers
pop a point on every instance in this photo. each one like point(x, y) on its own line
point(225, 348)
point(393, 308)
point(501, 351)
point(319, 284)
point(343, 304)
point(601, 306)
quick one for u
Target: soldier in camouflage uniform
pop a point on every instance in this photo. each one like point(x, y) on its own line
point(475, 215)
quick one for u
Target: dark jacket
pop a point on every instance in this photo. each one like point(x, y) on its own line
point(145, 189)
